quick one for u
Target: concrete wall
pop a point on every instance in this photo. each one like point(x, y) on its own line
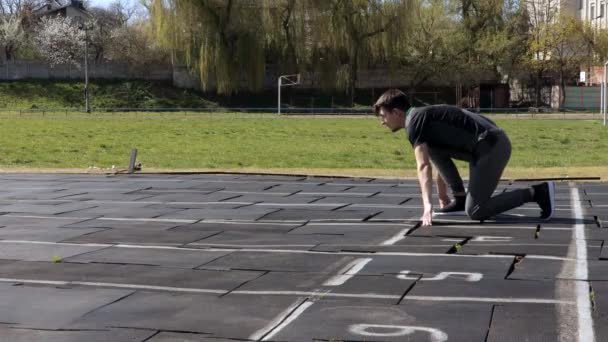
point(367, 79)
point(37, 70)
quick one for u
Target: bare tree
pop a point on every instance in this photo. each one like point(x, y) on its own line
point(542, 15)
point(133, 45)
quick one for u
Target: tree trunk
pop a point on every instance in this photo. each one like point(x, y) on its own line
point(539, 75)
point(562, 88)
point(354, 65)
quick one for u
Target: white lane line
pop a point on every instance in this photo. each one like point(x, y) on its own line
point(583, 302)
point(270, 204)
point(48, 217)
point(26, 242)
point(145, 220)
point(292, 317)
point(495, 256)
point(112, 285)
point(246, 222)
point(292, 251)
point(488, 300)
point(102, 218)
point(364, 224)
point(482, 244)
point(318, 294)
point(258, 335)
point(396, 238)
point(347, 272)
point(219, 245)
point(286, 293)
point(548, 257)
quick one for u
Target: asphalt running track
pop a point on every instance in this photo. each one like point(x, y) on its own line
point(274, 258)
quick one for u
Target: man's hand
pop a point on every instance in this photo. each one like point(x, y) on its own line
point(427, 217)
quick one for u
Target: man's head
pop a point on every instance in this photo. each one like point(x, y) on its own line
point(391, 108)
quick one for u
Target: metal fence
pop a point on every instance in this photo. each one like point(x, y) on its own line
point(582, 98)
point(517, 113)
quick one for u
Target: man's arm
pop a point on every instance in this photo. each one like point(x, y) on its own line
point(425, 177)
point(442, 191)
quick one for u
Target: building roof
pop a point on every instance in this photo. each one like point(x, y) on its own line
point(52, 6)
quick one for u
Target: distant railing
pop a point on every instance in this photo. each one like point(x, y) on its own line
point(287, 111)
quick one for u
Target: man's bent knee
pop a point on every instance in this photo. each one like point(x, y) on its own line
point(476, 213)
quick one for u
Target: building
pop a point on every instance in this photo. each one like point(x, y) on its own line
point(66, 8)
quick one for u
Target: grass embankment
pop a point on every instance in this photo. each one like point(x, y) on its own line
point(104, 94)
point(353, 146)
point(111, 94)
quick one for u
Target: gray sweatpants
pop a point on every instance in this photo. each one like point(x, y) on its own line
point(485, 169)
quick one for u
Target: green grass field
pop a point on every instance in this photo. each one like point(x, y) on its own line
point(266, 143)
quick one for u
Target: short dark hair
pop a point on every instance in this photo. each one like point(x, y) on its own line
point(391, 99)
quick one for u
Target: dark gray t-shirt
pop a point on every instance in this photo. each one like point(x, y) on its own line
point(448, 128)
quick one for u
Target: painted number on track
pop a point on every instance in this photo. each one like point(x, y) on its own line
point(381, 330)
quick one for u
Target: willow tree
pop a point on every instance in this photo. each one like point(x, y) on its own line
point(283, 21)
point(222, 40)
point(358, 31)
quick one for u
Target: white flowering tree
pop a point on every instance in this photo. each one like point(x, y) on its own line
point(61, 41)
point(12, 35)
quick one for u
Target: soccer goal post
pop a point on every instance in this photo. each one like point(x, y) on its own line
point(285, 81)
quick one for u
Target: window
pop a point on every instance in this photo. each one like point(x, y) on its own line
point(580, 4)
point(592, 12)
point(601, 11)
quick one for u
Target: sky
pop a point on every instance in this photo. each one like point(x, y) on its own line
point(105, 3)
point(100, 3)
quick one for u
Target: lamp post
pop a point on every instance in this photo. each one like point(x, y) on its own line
point(87, 102)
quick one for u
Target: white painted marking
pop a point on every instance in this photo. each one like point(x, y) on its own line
point(285, 293)
point(548, 257)
point(485, 227)
point(113, 285)
point(282, 194)
point(122, 245)
point(492, 238)
point(269, 204)
point(101, 218)
point(248, 222)
point(337, 194)
point(56, 243)
point(468, 276)
point(493, 256)
point(258, 335)
point(145, 220)
point(365, 224)
point(247, 246)
point(488, 300)
point(435, 335)
point(347, 272)
point(300, 310)
point(396, 238)
point(384, 206)
point(48, 217)
point(583, 303)
point(317, 294)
